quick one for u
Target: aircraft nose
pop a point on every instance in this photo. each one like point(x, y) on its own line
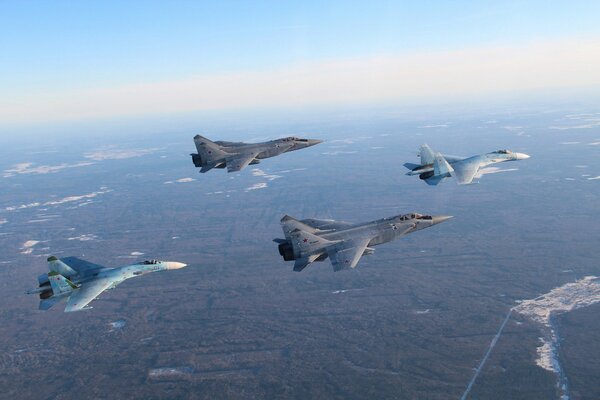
point(175, 265)
point(441, 218)
point(522, 156)
point(312, 142)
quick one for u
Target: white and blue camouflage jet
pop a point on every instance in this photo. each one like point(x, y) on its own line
point(434, 167)
point(344, 243)
point(237, 156)
point(79, 282)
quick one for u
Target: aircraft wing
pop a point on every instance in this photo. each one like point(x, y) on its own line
point(346, 255)
point(86, 293)
point(326, 224)
point(237, 162)
point(82, 267)
point(464, 172)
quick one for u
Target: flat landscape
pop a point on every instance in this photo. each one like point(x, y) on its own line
point(413, 320)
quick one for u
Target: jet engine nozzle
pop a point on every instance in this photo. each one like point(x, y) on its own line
point(286, 251)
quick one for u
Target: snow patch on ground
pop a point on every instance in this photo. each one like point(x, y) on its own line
point(570, 296)
point(256, 186)
point(68, 199)
point(565, 298)
point(181, 180)
point(420, 312)
point(337, 152)
point(433, 126)
point(116, 325)
point(170, 372)
point(27, 246)
point(28, 168)
point(84, 238)
point(118, 154)
point(260, 173)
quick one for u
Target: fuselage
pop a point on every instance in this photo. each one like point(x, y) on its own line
point(382, 231)
point(119, 274)
point(271, 148)
point(483, 160)
point(377, 232)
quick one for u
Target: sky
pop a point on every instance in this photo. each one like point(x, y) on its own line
point(69, 61)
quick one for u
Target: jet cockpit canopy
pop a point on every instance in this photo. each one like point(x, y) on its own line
point(150, 262)
point(410, 216)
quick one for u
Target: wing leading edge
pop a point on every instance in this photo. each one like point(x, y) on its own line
point(86, 293)
point(240, 161)
point(346, 255)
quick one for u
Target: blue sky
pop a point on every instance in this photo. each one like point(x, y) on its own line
point(54, 47)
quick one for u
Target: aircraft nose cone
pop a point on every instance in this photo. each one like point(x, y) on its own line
point(522, 156)
point(175, 265)
point(441, 218)
point(312, 142)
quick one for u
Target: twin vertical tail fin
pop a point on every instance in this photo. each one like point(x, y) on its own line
point(60, 267)
point(441, 169)
point(426, 154)
point(60, 285)
point(441, 166)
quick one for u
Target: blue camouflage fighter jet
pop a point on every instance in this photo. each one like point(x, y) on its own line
point(79, 282)
point(435, 167)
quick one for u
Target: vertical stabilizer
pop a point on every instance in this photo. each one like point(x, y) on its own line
point(60, 267)
point(441, 166)
point(426, 155)
point(208, 151)
point(60, 284)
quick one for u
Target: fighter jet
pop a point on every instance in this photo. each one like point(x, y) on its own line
point(79, 282)
point(435, 167)
point(237, 155)
point(344, 243)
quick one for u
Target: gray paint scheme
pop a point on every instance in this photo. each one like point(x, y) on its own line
point(435, 167)
point(79, 282)
point(344, 243)
point(236, 156)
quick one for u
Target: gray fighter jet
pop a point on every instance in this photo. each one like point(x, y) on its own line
point(79, 282)
point(434, 167)
point(344, 243)
point(237, 155)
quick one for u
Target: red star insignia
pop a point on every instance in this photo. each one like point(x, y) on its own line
point(305, 240)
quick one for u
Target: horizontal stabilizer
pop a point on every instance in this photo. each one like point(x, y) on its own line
point(46, 304)
point(412, 166)
point(304, 262)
